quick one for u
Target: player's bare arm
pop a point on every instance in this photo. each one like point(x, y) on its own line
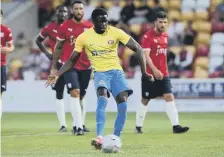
point(39, 42)
point(134, 46)
point(69, 63)
point(156, 72)
point(8, 49)
point(57, 53)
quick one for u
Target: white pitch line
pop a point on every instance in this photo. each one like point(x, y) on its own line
point(47, 134)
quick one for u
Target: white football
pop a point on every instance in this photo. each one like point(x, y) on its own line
point(111, 144)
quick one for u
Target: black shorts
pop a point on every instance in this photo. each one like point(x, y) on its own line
point(60, 84)
point(3, 78)
point(155, 89)
point(77, 79)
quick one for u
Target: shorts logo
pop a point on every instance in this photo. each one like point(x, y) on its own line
point(146, 93)
point(110, 42)
point(3, 86)
point(69, 85)
point(102, 82)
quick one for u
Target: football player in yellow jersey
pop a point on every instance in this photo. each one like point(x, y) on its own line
point(101, 43)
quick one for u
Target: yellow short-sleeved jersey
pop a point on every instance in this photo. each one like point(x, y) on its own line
point(101, 49)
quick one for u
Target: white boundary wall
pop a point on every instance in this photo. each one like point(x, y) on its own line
point(32, 96)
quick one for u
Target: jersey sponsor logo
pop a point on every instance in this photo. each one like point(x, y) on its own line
point(155, 40)
point(54, 30)
point(161, 51)
point(70, 29)
point(2, 34)
point(110, 42)
point(100, 52)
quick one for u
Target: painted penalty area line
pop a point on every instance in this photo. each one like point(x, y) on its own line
point(46, 134)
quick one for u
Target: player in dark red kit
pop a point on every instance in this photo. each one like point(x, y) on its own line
point(154, 44)
point(77, 79)
point(50, 32)
point(6, 48)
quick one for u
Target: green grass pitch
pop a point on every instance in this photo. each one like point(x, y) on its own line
point(35, 135)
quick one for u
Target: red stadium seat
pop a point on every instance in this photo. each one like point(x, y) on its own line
point(202, 50)
point(217, 27)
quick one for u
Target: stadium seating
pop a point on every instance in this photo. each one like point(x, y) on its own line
point(203, 38)
point(214, 61)
point(202, 5)
point(174, 4)
point(188, 5)
point(200, 73)
point(173, 14)
point(202, 50)
point(217, 50)
point(217, 27)
point(136, 29)
point(202, 26)
point(217, 38)
point(202, 15)
point(187, 16)
point(190, 49)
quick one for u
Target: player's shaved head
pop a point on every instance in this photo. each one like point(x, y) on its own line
point(98, 12)
point(99, 18)
point(161, 21)
point(61, 13)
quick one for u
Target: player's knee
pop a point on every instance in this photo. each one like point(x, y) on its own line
point(59, 95)
point(102, 92)
point(75, 93)
point(122, 97)
point(169, 97)
point(145, 101)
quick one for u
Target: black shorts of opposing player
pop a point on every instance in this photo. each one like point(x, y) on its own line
point(3, 79)
point(77, 79)
point(59, 85)
point(155, 89)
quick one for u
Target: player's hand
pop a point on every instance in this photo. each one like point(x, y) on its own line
point(52, 79)
point(147, 77)
point(158, 75)
point(4, 50)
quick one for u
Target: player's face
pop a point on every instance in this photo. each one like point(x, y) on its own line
point(161, 24)
point(78, 11)
point(62, 13)
point(101, 23)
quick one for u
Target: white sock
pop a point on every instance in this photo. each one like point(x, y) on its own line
point(60, 110)
point(172, 113)
point(0, 108)
point(76, 112)
point(83, 104)
point(140, 115)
